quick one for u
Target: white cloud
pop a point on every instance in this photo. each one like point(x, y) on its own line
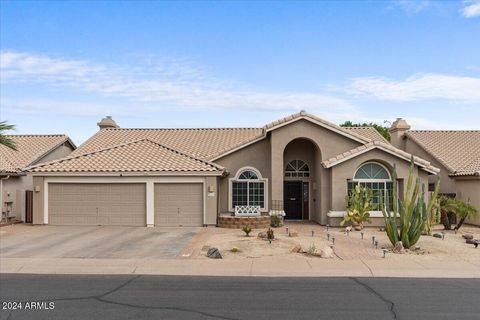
point(419, 87)
point(413, 6)
point(160, 84)
point(471, 9)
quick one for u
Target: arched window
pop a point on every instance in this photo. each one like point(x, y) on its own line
point(248, 188)
point(377, 178)
point(297, 168)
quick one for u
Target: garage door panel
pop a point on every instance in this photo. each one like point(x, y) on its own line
point(97, 204)
point(179, 204)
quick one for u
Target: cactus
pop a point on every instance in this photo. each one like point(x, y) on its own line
point(247, 230)
point(359, 204)
point(412, 212)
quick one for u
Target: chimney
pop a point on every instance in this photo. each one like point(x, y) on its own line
point(397, 133)
point(107, 122)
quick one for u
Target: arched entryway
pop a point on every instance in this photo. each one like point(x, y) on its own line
point(300, 159)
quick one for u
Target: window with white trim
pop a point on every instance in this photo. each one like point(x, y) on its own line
point(377, 178)
point(297, 168)
point(248, 189)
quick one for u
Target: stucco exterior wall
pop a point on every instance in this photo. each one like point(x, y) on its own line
point(59, 152)
point(329, 144)
point(345, 171)
point(38, 201)
point(447, 184)
point(256, 155)
point(469, 189)
point(14, 191)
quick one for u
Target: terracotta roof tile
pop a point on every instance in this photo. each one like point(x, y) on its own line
point(458, 151)
point(30, 148)
point(141, 155)
point(200, 143)
point(378, 145)
point(368, 132)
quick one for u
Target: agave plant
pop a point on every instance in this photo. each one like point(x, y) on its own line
point(412, 212)
point(359, 204)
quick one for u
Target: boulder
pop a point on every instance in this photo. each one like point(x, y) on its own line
point(358, 227)
point(398, 248)
point(326, 253)
point(437, 235)
point(468, 236)
point(213, 253)
point(471, 241)
point(297, 249)
point(262, 235)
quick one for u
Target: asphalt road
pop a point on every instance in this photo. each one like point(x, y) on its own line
point(167, 297)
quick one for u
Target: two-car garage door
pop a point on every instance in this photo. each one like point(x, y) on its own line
point(175, 204)
point(115, 204)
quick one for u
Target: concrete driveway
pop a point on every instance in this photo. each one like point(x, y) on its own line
point(93, 242)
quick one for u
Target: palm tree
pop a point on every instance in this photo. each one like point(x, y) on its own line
point(465, 210)
point(4, 140)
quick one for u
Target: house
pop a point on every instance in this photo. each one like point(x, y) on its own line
point(15, 183)
point(455, 152)
point(300, 165)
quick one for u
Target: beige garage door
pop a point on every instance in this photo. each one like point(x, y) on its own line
point(178, 204)
point(109, 204)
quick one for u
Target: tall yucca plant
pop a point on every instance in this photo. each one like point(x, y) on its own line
point(412, 212)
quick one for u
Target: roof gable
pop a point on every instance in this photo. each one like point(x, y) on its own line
point(30, 148)
point(425, 165)
point(302, 115)
point(457, 150)
point(141, 155)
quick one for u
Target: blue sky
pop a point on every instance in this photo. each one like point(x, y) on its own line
point(64, 65)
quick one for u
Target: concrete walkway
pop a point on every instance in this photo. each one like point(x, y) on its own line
point(296, 266)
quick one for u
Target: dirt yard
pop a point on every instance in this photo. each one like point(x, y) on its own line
point(233, 244)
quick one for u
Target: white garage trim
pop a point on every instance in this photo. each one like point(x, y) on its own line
point(149, 181)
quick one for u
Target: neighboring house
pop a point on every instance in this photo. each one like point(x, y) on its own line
point(31, 150)
point(455, 152)
point(300, 164)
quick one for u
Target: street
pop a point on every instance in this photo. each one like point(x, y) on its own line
point(175, 297)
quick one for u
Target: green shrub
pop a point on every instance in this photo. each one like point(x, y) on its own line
point(247, 230)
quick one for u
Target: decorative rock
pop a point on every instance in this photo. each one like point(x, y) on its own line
point(297, 249)
point(398, 248)
point(213, 253)
point(358, 228)
point(326, 253)
point(468, 236)
point(262, 235)
point(437, 235)
point(293, 234)
point(471, 241)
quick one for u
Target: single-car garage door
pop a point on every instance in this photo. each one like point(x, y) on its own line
point(178, 204)
point(112, 204)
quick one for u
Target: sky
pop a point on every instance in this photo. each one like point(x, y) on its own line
point(65, 65)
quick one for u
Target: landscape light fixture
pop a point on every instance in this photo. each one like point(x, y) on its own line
point(384, 252)
point(328, 236)
point(333, 240)
point(286, 229)
point(373, 239)
point(361, 233)
point(443, 235)
point(376, 244)
point(328, 226)
point(313, 232)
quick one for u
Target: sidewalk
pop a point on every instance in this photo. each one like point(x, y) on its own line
point(293, 266)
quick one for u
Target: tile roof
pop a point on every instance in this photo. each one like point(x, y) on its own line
point(368, 132)
point(204, 144)
point(141, 155)
point(305, 115)
point(382, 146)
point(458, 151)
point(30, 148)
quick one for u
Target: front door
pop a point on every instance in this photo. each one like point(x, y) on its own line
point(292, 199)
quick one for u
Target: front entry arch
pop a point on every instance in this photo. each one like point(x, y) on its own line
point(299, 158)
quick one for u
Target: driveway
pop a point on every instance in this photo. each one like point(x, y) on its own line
point(93, 242)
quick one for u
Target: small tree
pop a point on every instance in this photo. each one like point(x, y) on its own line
point(359, 204)
point(465, 211)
